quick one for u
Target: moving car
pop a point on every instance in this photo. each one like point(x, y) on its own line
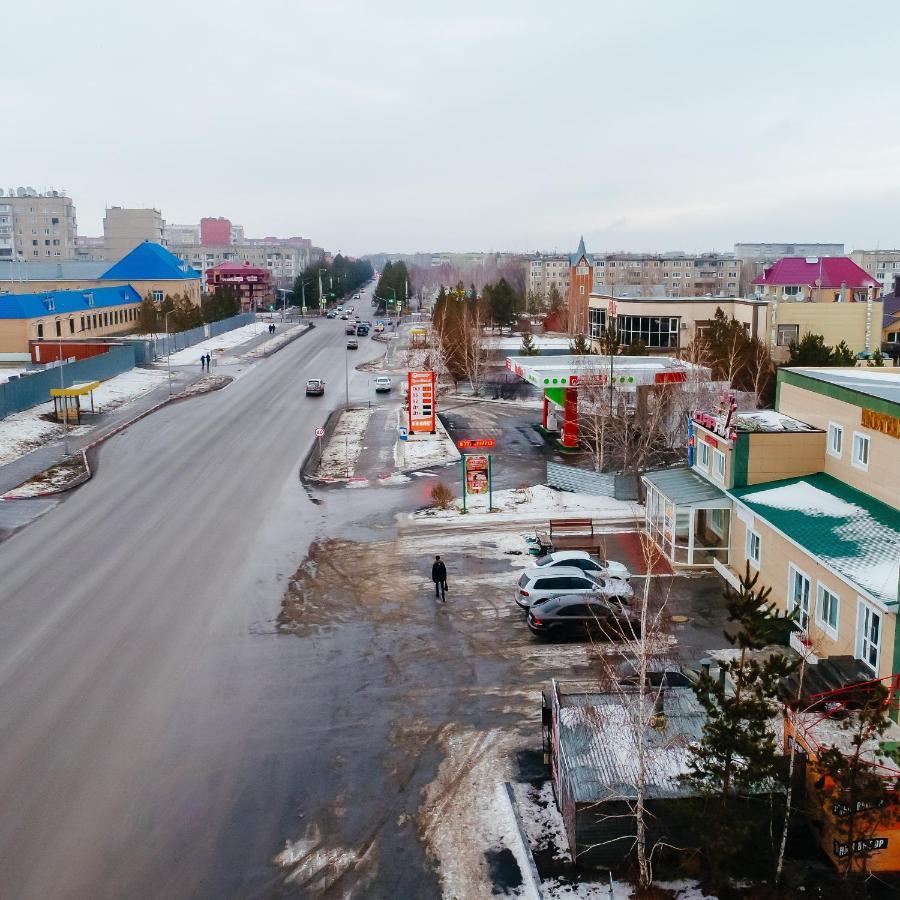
point(350, 329)
point(362, 330)
point(583, 560)
point(344, 316)
point(379, 327)
point(574, 615)
point(539, 583)
point(382, 384)
point(331, 314)
point(353, 344)
point(315, 387)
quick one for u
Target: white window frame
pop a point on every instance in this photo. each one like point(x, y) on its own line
point(717, 455)
point(821, 620)
point(838, 430)
point(865, 612)
point(703, 458)
point(853, 458)
point(794, 572)
point(748, 545)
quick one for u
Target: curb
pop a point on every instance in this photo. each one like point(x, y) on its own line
point(532, 873)
point(281, 346)
point(77, 481)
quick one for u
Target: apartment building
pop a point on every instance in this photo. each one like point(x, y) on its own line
point(283, 258)
point(182, 234)
point(882, 265)
point(808, 496)
point(36, 225)
point(667, 274)
point(546, 272)
point(125, 228)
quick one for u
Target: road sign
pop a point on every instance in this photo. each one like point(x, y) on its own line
point(320, 432)
point(421, 402)
point(478, 443)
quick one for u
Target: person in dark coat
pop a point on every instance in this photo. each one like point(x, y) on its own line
point(439, 577)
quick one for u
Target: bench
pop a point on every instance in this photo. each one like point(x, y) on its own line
point(571, 526)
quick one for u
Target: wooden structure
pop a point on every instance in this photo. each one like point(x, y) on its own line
point(67, 400)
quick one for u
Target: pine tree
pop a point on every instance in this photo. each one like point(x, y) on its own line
point(737, 755)
point(842, 355)
point(811, 350)
point(528, 347)
point(148, 316)
point(877, 360)
point(580, 346)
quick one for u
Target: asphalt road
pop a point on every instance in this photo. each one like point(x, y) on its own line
point(153, 727)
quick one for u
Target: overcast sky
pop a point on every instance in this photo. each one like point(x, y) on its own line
point(645, 125)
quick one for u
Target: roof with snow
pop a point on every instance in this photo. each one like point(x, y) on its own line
point(149, 262)
point(769, 421)
point(853, 534)
point(50, 303)
point(853, 384)
point(575, 258)
point(821, 271)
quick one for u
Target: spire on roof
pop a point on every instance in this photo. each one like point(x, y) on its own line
point(581, 251)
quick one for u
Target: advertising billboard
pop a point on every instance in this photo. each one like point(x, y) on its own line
point(421, 402)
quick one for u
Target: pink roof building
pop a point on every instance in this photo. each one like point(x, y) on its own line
point(817, 272)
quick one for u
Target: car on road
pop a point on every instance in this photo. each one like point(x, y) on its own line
point(331, 314)
point(583, 560)
point(315, 387)
point(379, 327)
point(577, 615)
point(362, 330)
point(350, 329)
point(356, 296)
point(353, 344)
point(539, 583)
point(382, 384)
point(344, 316)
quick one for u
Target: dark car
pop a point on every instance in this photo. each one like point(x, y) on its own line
point(581, 615)
point(315, 387)
point(331, 314)
point(362, 330)
point(350, 329)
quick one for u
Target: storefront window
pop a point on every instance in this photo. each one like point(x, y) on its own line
point(654, 331)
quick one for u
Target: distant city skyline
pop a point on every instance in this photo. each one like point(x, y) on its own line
point(509, 126)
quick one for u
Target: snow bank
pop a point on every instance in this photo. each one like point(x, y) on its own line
point(191, 355)
point(7, 373)
point(345, 445)
point(420, 451)
point(126, 387)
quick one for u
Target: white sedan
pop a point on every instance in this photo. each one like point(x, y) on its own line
point(583, 560)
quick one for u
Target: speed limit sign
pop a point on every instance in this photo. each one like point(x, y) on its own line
point(320, 432)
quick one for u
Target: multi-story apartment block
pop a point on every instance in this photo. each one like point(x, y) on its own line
point(882, 265)
point(808, 496)
point(182, 234)
point(124, 229)
point(36, 226)
point(667, 274)
point(546, 272)
point(285, 261)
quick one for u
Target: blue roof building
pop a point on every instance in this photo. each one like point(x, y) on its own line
point(150, 262)
point(49, 303)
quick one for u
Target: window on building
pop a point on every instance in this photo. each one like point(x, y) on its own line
point(94, 317)
point(798, 596)
point(158, 296)
point(40, 330)
point(703, 455)
point(71, 326)
point(654, 331)
point(580, 288)
point(835, 440)
point(791, 290)
point(828, 610)
point(596, 323)
point(81, 324)
point(860, 451)
point(754, 545)
point(868, 635)
point(719, 465)
point(787, 334)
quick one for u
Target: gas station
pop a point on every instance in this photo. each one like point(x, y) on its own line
point(559, 377)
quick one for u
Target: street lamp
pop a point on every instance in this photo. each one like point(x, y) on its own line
point(320, 286)
point(169, 350)
point(64, 398)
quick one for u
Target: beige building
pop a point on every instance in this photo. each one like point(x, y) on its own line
point(36, 226)
point(545, 273)
point(882, 265)
point(285, 261)
point(671, 324)
point(124, 229)
point(808, 496)
point(667, 274)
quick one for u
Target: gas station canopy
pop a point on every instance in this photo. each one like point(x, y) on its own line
point(625, 371)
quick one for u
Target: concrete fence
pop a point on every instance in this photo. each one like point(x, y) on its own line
point(585, 481)
point(164, 344)
point(29, 390)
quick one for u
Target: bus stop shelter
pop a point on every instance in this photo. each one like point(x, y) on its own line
point(67, 400)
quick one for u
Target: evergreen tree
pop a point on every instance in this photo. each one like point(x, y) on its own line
point(500, 302)
point(580, 345)
point(528, 347)
point(555, 299)
point(737, 755)
point(609, 343)
point(636, 348)
point(877, 360)
point(811, 350)
point(148, 316)
point(842, 355)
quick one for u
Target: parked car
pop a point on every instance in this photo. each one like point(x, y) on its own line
point(574, 615)
point(315, 387)
point(583, 560)
point(539, 583)
point(382, 384)
point(353, 344)
point(344, 316)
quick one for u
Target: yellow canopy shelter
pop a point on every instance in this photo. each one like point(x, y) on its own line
point(67, 400)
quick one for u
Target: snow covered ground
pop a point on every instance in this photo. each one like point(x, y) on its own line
point(25, 431)
point(274, 343)
point(420, 451)
point(191, 355)
point(7, 373)
point(345, 445)
point(539, 501)
point(541, 341)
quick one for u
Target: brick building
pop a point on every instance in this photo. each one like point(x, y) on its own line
point(254, 283)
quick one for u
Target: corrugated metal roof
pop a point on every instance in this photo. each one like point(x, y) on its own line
point(598, 744)
point(149, 262)
point(683, 486)
point(32, 306)
point(832, 270)
point(853, 533)
point(883, 383)
point(39, 270)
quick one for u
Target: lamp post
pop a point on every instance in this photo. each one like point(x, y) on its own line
point(321, 270)
point(347, 376)
point(169, 350)
point(394, 293)
point(64, 399)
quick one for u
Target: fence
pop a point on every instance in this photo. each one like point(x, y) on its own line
point(584, 481)
point(29, 390)
point(179, 340)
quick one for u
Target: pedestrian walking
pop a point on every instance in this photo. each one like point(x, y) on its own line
point(439, 577)
point(208, 360)
point(202, 362)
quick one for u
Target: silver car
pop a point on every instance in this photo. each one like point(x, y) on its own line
point(538, 583)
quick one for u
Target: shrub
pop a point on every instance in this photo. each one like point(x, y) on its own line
point(441, 496)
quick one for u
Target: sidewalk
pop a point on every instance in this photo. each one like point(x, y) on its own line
point(31, 464)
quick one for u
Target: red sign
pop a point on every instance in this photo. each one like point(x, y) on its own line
point(421, 402)
point(480, 443)
point(477, 475)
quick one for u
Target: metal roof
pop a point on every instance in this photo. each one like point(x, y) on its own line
point(54, 303)
point(824, 271)
point(855, 535)
point(684, 486)
point(39, 270)
point(883, 383)
point(149, 262)
point(598, 743)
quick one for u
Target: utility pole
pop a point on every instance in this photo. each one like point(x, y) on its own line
point(65, 400)
point(347, 376)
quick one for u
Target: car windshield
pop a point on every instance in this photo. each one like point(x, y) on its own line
point(523, 581)
point(547, 605)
